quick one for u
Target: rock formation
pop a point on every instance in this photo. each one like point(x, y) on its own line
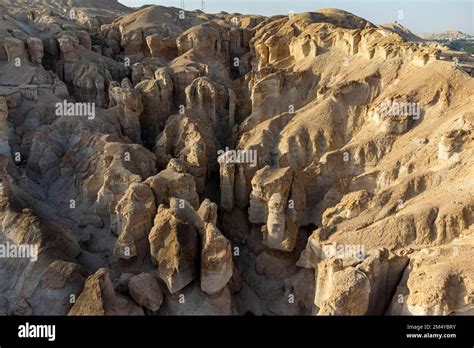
point(157, 161)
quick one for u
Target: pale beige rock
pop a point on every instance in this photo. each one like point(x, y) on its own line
point(269, 203)
point(349, 294)
point(437, 281)
point(208, 212)
point(216, 261)
point(450, 143)
point(159, 46)
point(132, 221)
point(98, 298)
point(174, 181)
point(190, 141)
point(368, 187)
point(227, 184)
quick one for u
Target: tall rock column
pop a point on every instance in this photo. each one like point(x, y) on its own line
point(4, 146)
point(227, 171)
point(129, 102)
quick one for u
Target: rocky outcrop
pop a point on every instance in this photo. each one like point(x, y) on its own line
point(174, 249)
point(145, 290)
point(98, 298)
point(132, 221)
point(130, 104)
point(349, 294)
point(437, 281)
point(4, 146)
point(216, 261)
point(349, 207)
point(160, 46)
point(227, 184)
point(390, 119)
point(15, 49)
point(184, 229)
point(88, 73)
point(272, 203)
point(174, 181)
point(35, 49)
point(61, 282)
point(451, 142)
point(338, 155)
point(346, 272)
point(192, 142)
point(215, 100)
point(157, 100)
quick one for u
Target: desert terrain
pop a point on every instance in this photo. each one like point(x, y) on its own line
point(161, 161)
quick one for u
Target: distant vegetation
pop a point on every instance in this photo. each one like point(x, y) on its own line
point(461, 45)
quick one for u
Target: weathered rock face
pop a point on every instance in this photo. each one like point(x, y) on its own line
point(130, 105)
point(4, 146)
point(349, 294)
point(338, 155)
point(215, 100)
point(35, 49)
point(175, 240)
point(277, 92)
point(209, 38)
point(174, 181)
point(270, 204)
point(93, 191)
point(145, 290)
point(157, 105)
point(132, 41)
point(216, 261)
point(390, 119)
point(59, 282)
point(160, 46)
point(42, 274)
point(451, 142)
point(227, 184)
point(67, 48)
point(437, 281)
point(15, 49)
point(193, 143)
point(349, 207)
point(208, 211)
point(88, 73)
point(174, 249)
point(132, 221)
point(98, 298)
point(344, 271)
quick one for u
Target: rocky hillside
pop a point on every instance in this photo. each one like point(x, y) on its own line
point(160, 162)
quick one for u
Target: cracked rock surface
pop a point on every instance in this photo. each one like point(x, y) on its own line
point(223, 164)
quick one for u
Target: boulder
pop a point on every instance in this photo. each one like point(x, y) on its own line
point(216, 261)
point(174, 249)
point(98, 298)
point(145, 290)
point(35, 49)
